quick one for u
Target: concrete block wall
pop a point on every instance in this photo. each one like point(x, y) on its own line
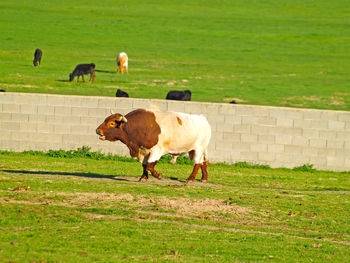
point(279, 137)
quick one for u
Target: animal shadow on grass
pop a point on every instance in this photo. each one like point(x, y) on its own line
point(104, 71)
point(87, 175)
point(62, 80)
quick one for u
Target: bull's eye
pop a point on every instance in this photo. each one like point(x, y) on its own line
point(112, 124)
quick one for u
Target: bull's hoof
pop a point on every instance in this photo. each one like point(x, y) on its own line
point(158, 176)
point(189, 180)
point(204, 180)
point(143, 179)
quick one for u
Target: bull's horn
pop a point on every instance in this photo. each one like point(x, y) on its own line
point(112, 112)
point(124, 119)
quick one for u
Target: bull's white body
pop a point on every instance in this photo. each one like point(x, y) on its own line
point(181, 133)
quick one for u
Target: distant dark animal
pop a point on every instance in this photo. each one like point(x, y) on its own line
point(233, 102)
point(83, 69)
point(121, 93)
point(150, 134)
point(122, 62)
point(2, 90)
point(37, 57)
point(179, 95)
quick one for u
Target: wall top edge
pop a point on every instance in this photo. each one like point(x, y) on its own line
point(173, 101)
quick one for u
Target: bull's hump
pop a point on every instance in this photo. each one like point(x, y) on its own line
point(142, 128)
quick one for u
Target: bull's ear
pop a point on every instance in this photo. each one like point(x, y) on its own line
point(121, 118)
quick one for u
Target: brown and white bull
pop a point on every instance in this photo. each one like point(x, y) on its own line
point(151, 134)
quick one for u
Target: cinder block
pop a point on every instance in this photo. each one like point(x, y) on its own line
point(193, 108)
point(343, 135)
point(312, 114)
point(46, 110)
point(36, 118)
point(286, 131)
point(236, 120)
point(226, 109)
point(71, 139)
point(20, 117)
point(275, 148)
point(176, 106)
point(243, 110)
point(293, 149)
point(224, 127)
point(342, 116)
point(71, 120)
point(7, 98)
point(80, 129)
point(61, 129)
point(106, 103)
point(327, 134)
point(63, 110)
point(268, 139)
point(217, 136)
point(56, 100)
point(335, 144)
point(300, 141)
point(258, 147)
point(122, 103)
point(260, 129)
point(285, 113)
point(310, 151)
point(310, 133)
point(249, 156)
point(95, 121)
point(330, 115)
point(27, 127)
point(249, 138)
point(73, 101)
point(266, 156)
point(284, 122)
point(9, 126)
point(250, 120)
point(223, 146)
point(141, 104)
point(319, 143)
point(96, 112)
point(336, 125)
point(28, 109)
point(229, 136)
point(333, 161)
point(11, 108)
point(89, 102)
point(216, 118)
point(160, 105)
point(5, 116)
point(45, 128)
point(243, 128)
point(80, 111)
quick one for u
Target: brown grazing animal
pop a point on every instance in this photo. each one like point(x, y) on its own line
point(37, 57)
point(150, 134)
point(83, 69)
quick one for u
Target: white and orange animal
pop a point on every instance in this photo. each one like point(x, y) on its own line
point(122, 62)
point(150, 134)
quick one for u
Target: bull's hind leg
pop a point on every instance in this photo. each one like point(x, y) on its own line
point(192, 177)
point(204, 172)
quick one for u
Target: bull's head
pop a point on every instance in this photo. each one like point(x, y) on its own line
point(111, 128)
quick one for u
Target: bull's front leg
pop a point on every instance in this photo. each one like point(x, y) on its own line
point(150, 167)
point(144, 176)
point(82, 76)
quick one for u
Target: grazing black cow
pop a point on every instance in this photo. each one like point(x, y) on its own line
point(233, 102)
point(83, 69)
point(121, 93)
point(2, 90)
point(179, 95)
point(37, 57)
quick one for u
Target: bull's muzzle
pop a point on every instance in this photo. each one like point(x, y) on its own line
point(100, 132)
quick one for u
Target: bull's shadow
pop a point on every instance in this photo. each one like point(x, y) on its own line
point(87, 175)
point(104, 71)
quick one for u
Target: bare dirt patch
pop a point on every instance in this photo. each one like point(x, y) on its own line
point(235, 99)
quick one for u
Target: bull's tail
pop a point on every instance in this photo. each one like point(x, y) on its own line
point(206, 160)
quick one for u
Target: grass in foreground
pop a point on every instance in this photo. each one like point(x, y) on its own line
point(79, 208)
point(293, 53)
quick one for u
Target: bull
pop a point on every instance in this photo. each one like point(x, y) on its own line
point(151, 134)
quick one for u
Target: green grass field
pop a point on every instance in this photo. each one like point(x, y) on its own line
point(82, 209)
point(290, 53)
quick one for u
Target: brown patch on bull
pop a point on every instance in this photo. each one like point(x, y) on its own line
point(179, 120)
